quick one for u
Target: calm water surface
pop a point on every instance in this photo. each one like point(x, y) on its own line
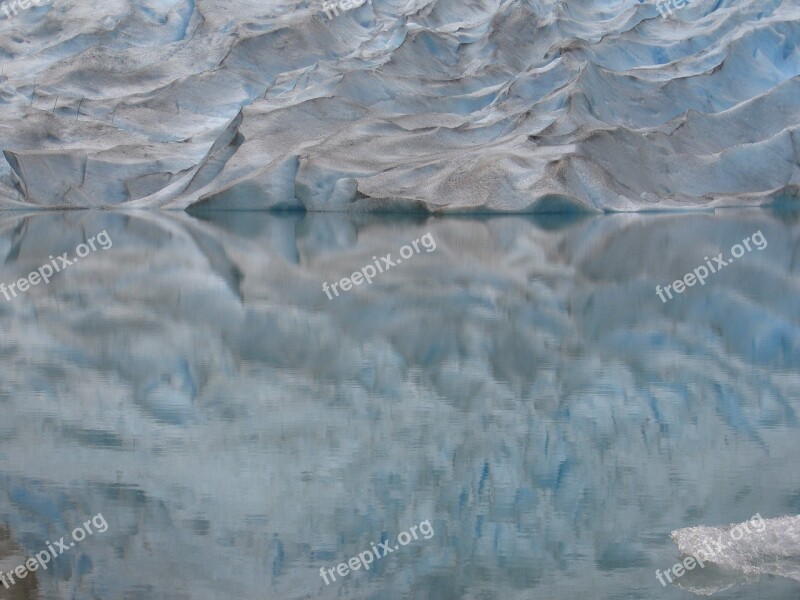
point(521, 387)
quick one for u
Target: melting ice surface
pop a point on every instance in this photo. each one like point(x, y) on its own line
point(498, 105)
point(762, 547)
point(522, 387)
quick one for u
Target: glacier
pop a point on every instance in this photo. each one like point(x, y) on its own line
point(400, 105)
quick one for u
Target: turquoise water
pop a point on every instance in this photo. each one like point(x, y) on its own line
point(520, 386)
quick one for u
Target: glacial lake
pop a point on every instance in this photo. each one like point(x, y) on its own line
point(516, 382)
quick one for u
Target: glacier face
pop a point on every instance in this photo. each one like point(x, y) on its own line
point(522, 386)
point(458, 105)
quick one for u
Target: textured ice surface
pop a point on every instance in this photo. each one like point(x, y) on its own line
point(522, 386)
point(507, 105)
point(768, 547)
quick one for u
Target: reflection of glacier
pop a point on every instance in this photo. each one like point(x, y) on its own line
point(770, 547)
point(522, 387)
point(507, 105)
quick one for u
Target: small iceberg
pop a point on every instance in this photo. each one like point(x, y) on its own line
point(740, 553)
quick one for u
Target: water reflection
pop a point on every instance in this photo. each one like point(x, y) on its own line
point(522, 387)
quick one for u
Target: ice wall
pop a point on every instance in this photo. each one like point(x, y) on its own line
point(433, 105)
